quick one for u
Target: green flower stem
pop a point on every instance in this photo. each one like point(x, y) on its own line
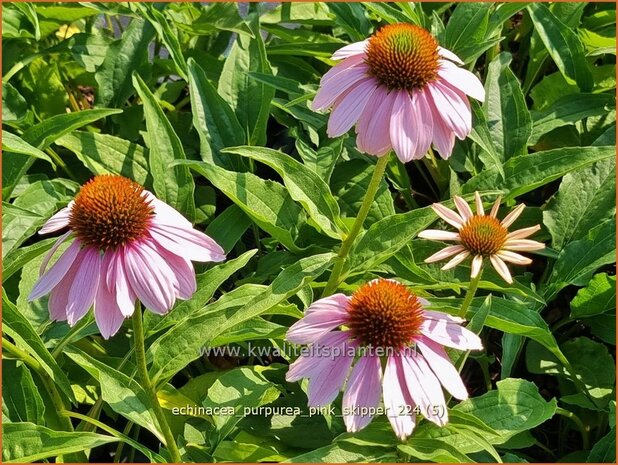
point(346, 245)
point(49, 384)
point(142, 368)
point(580, 425)
point(68, 337)
point(472, 287)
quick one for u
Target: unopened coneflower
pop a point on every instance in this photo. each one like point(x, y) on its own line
point(127, 245)
point(402, 91)
point(381, 321)
point(482, 237)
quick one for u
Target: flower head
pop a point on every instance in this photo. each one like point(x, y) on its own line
point(402, 91)
point(127, 245)
point(381, 320)
point(482, 237)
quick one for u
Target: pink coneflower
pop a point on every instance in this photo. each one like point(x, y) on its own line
point(403, 90)
point(482, 236)
point(381, 319)
point(127, 244)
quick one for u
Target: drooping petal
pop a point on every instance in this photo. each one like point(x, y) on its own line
point(439, 235)
point(463, 208)
point(443, 137)
point(451, 335)
point(321, 317)
point(50, 279)
point(456, 260)
point(453, 108)
point(308, 363)
point(85, 285)
point(397, 400)
point(325, 383)
point(187, 242)
point(59, 295)
point(117, 281)
point(475, 268)
point(440, 316)
point(443, 52)
point(374, 126)
point(357, 48)
point(523, 245)
point(331, 89)
point(501, 268)
point(52, 251)
point(165, 214)
point(107, 314)
point(479, 204)
point(523, 233)
point(443, 368)
point(426, 391)
point(403, 127)
point(511, 217)
point(513, 257)
point(445, 253)
point(462, 80)
point(362, 391)
point(349, 108)
point(58, 221)
point(183, 271)
point(448, 215)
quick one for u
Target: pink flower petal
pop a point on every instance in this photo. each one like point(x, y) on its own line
point(451, 335)
point(449, 55)
point(59, 295)
point(307, 364)
point(443, 136)
point(187, 243)
point(50, 279)
point(183, 271)
point(440, 316)
point(523, 245)
point(443, 368)
point(439, 235)
point(463, 208)
point(85, 285)
point(107, 314)
point(501, 268)
point(332, 89)
point(362, 391)
point(423, 123)
point(425, 389)
point(444, 253)
point(52, 251)
point(117, 281)
point(403, 127)
point(373, 127)
point(349, 108)
point(58, 221)
point(357, 48)
point(513, 257)
point(462, 80)
point(456, 260)
point(495, 207)
point(397, 400)
point(448, 215)
point(165, 214)
point(511, 217)
point(523, 233)
point(475, 268)
point(323, 316)
point(479, 204)
point(453, 107)
point(325, 383)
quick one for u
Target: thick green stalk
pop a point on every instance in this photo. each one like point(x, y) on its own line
point(142, 369)
point(346, 245)
point(472, 287)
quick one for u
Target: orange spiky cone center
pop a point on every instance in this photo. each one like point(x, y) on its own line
point(483, 235)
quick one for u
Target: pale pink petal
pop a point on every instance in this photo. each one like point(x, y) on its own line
point(59, 295)
point(403, 127)
point(107, 314)
point(444, 253)
point(479, 204)
point(523, 233)
point(423, 127)
point(439, 235)
point(58, 221)
point(321, 317)
point(374, 126)
point(511, 217)
point(462, 80)
point(333, 73)
point(397, 400)
point(426, 391)
point(187, 243)
point(118, 281)
point(363, 390)
point(448, 215)
point(148, 279)
point(443, 52)
point(442, 366)
point(50, 279)
point(183, 271)
point(463, 208)
point(453, 107)
point(456, 260)
point(332, 89)
point(450, 334)
point(165, 214)
point(501, 268)
point(349, 108)
point(477, 264)
point(440, 316)
point(495, 207)
point(357, 48)
point(443, 137)
point(513, 257)
point(52, 251)
point(307, 364)
point(325, 383)
point(523, 245)
point(85, 285)
point(424, 302)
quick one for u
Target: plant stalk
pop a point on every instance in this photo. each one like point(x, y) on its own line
point(472, 287)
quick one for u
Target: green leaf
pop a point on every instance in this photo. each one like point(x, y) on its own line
point(585, 199)
point(15, 144)
point(182, 344)
point(508, 119)
point(570, 109)
point(228, 227)
point(249, 98)
point(604, 451)
point(266, 202)
point(19, 328)
point(527, 172)
point(15, 260)
point(124, 57)
point(465, 33)
point(174, 186)
point(14, 106)
point(21, 396)
point(217, 17)
point(27, 442)
point(434, 450)
point(104, 154)
point(304, 186)
point(563, 45)
point(213, 118)
point(481, 135)
point(599, 296)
